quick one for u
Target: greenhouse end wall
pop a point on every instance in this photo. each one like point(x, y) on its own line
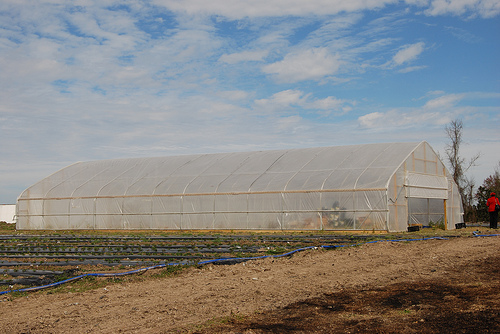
point(423, 193)
point(359, 187)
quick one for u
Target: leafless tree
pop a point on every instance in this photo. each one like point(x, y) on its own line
point(468, 198)
point(459, 165)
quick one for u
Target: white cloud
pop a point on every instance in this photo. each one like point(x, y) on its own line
point(238, 9)
point(281, 102)
point(312, 64)
point(483, 8)
point(411, 69)
point(401, 118)
point(408, 53)
point(234, 58)
point(233, 95)
point(286, 100)
point(444, 102)
point(292, 125)
point(405, 55)
point(371, 120)
point(328, 103)
point(435, 112)
point(464, 35)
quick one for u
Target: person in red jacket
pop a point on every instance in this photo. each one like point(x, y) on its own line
point(491, 203)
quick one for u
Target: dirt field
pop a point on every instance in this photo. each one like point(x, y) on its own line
point(433, 286)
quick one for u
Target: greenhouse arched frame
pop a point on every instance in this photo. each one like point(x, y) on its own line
point(371, 187)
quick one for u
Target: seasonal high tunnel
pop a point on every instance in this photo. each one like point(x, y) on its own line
point(375, 187)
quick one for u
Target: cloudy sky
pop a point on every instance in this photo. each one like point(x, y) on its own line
point(98, 79)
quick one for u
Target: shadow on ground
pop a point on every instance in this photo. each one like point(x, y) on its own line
point(426, 306)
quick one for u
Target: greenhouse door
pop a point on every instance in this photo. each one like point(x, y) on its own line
point(426, 199)
point(426, 211)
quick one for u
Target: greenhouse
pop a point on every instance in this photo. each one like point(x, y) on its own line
point(372, 187)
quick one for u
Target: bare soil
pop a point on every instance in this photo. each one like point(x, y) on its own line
point(432, 286)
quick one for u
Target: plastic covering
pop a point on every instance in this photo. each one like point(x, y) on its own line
point(359, 187)
point(7, 213)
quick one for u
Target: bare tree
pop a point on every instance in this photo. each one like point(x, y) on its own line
point(470, 214)
point(459, 165)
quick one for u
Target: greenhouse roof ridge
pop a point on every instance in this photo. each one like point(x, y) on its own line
point(321, 168)
point(414, 143)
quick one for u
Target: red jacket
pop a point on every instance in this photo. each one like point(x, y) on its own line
point(491, 202)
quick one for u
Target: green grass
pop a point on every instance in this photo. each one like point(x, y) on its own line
point(7, 227)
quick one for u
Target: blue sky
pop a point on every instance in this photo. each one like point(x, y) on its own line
point(87, 80)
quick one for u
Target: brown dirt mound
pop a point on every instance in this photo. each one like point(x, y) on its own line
point(444, 305)
point(433, 286)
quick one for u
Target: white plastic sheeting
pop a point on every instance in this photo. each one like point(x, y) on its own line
point(7, 213)
point(426, 186)
point(359, 187)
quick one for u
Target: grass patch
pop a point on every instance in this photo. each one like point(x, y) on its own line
point(7, 227)
point(170, 271)
point(82, 285)
point(276, 250)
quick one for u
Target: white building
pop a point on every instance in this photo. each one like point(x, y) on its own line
point(7, 213)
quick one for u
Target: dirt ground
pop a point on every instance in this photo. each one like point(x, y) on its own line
point(433, 286)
